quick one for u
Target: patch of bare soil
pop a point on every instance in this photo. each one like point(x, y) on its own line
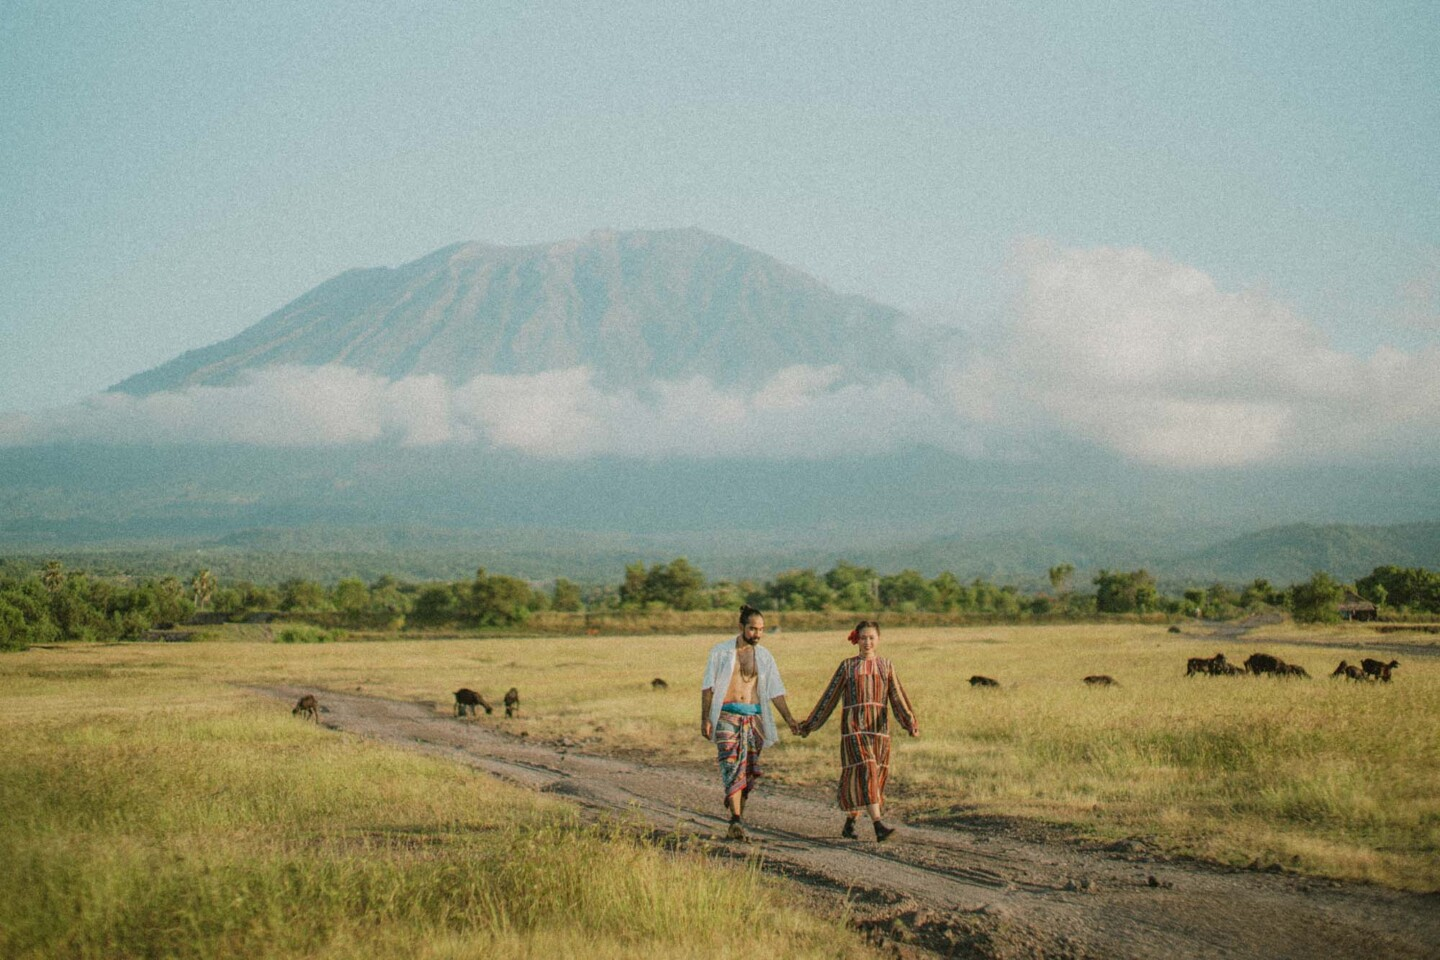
point(957, 889)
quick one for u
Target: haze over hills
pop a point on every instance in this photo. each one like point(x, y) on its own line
point(632, 306)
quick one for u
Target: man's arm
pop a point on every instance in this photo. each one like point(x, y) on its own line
point(706, 697)
point(785, 712)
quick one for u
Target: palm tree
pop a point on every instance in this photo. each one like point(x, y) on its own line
point(202, 587)
point(53, 576)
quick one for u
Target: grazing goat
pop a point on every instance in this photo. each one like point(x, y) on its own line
point(657, 685)
point(1378, 670)
point(1348, 670)
point(307, 707)
point(466, 700)
point(1101, 680)
point(1210, 666)
point(1259, 663)
point(1291, 670)
point(979, 681)
point(1173, 629)
point(512, 702)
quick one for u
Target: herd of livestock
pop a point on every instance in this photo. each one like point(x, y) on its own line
point(1264, 663)
point(1257, 664)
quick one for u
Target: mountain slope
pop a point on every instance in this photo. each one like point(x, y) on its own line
point(1292, 553)
point(635, 305)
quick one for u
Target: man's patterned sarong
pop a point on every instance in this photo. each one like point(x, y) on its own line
point(738, 739)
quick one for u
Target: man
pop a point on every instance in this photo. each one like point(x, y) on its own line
point(739, 721)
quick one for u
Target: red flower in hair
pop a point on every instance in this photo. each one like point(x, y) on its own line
point(854, 636)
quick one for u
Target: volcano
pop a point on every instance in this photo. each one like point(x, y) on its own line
point(632, 306)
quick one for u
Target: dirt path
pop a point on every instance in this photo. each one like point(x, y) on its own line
point(966, 891)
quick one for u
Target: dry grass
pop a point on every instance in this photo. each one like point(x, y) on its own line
point(1327, 777)
point(153, 811)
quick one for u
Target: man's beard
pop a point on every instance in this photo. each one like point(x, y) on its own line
point(750, 640)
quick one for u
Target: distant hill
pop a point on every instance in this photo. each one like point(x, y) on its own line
point(633, 306)
point(1292, 553)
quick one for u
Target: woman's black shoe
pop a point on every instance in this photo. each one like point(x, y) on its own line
point(848, 831)
point(882, 832)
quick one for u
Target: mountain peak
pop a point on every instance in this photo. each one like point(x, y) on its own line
point(630, 304)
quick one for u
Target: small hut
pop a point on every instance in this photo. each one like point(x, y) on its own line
point(1356, 607)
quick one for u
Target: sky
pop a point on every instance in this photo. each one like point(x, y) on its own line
point(1148, 205)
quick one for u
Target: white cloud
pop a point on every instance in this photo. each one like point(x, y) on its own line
point(801, 413)
point(1149, 358)
point(1122, 348)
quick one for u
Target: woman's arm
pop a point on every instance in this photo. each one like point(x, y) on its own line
point(827, 702)
point(900, 703)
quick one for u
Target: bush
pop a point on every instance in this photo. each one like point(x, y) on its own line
point(304, 634)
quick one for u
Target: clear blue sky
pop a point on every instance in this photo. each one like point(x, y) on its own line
point(170, 172)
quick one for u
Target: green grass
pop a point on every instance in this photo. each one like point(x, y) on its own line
point(150, 815)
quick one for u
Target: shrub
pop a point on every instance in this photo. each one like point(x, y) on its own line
point(304, 634)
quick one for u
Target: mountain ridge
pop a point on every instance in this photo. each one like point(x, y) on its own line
point(631, 305)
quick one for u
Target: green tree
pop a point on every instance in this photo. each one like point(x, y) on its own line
point(303, 596)
point(1061, 578)
point(800, 590)
point(499, 601)
point(677, 585)
point(1133, 592)
point(845, 575)
point(1317, 600)
point(1406, 588)
point(351, 597)
point(437, 604)
point(632, 589)
point(566, 596)
point(1258, 593)
point(949, 593)
point(906, 590)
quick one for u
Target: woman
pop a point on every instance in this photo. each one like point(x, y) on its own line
point(867, 683)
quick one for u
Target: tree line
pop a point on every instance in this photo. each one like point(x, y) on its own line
point(57, 604)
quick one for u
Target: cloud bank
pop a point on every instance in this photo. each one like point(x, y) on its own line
point(802, 412)
point(1149, 358)
point(1118, 348)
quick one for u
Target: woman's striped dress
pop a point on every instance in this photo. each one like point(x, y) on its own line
point(865, 686)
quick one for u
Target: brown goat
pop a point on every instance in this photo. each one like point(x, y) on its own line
point(1348, 670)
point(512, 702)
point(1291, 670)
point(466, 700)
point(657, 685)
point(307, 707)
point(1101, 680)
point(979, 681)
point(1378, 669)
point(1210, 666)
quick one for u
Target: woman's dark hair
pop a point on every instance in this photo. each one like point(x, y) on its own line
point(747, 613)
point(854, 636)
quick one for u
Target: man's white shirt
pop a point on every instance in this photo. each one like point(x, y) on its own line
point(720, 666)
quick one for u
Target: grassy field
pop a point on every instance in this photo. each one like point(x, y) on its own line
point(153, 810)
point(130, 753)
